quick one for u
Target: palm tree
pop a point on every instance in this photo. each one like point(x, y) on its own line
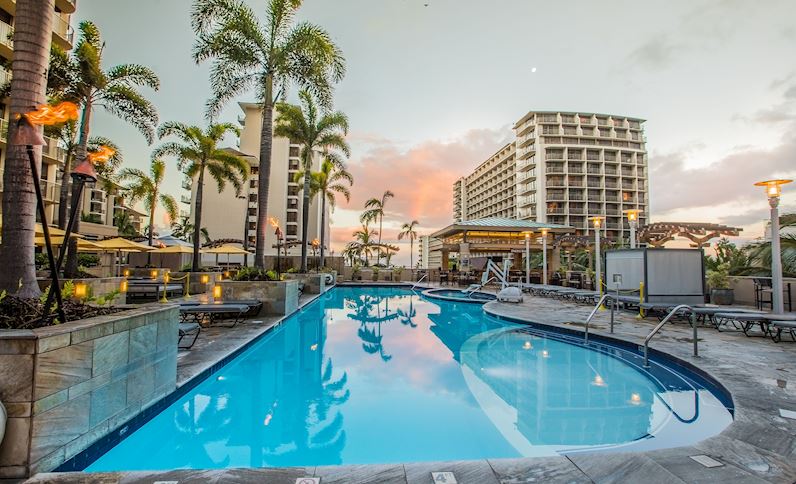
point(375, 211)
point(32, 38)
point(115, 90)
point(198, 153)
point(125, 225)
point(315, 131)
point(408, 231)
point(147, 188)
point(329, 182)
point(266, 57)
point(364, 241)
point(183, 230)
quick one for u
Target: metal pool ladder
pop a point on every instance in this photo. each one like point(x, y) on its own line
point(419, 281)
point(661, 324)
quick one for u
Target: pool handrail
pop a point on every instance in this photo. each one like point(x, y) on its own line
point(419, 281)
point(593, 312)
point(661, 324)
point(468, 292)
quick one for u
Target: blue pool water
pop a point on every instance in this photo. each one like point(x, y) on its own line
point(381, 375)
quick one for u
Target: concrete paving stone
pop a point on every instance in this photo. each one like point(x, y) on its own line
point(760, 462)
point(623, 468)
point(362, 474)
point(465, 472)
point(553, 470)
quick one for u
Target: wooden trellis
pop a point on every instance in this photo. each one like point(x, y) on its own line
point(700, 234)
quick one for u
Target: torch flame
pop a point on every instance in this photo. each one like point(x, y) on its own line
point(102, 155)
point(274, 222)
point(50, 115)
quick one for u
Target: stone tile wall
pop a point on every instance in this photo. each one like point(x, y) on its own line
point(278, 297)
point(65, 386)
point(313, 283)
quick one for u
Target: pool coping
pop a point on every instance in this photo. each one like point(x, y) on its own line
point(433, 295)
point(745, 443)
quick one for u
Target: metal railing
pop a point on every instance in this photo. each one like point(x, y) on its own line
point(591, 316)
point(419, 281)
point(661, 324)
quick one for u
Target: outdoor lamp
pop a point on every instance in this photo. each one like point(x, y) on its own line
point(527, 257)
point(153, 274)
point(598, 274)
point(544, 256)
point(632, 218)
point(773, 191)
point(81, 290)
point(123, 286)
point(216, 292)
point(204, 278)
point(126, 273)
point(166, 277)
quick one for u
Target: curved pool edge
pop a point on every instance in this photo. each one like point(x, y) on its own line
point(435, 293)
point(714, 382)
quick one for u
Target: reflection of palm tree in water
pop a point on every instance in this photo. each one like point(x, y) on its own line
point(367, 309)
point(407, 316)
point(188, 420)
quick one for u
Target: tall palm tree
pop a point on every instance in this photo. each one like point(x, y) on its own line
point(315, 131)
point(329, 182)
point(267, 57)
point(408, 232)
point(374, 210)
point(125, 225)
point(183, 230)
point(32, 38)
point(363, 237)
point(115, 90)
point(146, 187)
point(198, 153)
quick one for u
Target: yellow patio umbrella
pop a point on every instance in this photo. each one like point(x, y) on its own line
point(82, 244)
point(124, 245)
point(226, 249)
point(54, 231)
point(119, 244)
point(175, 249)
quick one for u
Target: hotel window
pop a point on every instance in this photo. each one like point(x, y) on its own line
point(293, 165)
point(252, 225)
point(292, 203)
point(253, 198)
point(294, 151)
point(252, 212)
point(292, 216)
point(549, 118)
point(255, 170)
point(252, 183)
point(292, 230)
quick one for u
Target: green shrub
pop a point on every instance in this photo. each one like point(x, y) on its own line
point(88, 260)
point(719, 278)
point(41, 261)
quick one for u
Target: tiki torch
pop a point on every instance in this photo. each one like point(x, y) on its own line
point(29, 136)
point(278, 232)
point(82, 173)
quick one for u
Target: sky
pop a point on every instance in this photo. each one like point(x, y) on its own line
point(433, 87)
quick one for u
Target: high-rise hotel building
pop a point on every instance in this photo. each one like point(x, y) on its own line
point(562, 168)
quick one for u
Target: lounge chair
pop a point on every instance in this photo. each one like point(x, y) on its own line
point(186, 330)
point(211, 313)
point(746, 320)
point(152, 290)
point(255, 306)
point(775, 329)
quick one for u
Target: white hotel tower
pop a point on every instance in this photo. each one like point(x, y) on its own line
point(562, 168)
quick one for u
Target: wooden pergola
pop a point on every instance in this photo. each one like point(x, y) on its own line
point(700, 234)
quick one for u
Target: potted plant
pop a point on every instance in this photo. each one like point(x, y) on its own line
point(396, 272)
point(375, 273)
point(719, 282)
point(355, 273)
point(590, 279)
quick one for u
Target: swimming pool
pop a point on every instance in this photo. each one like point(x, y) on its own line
point(380, 375)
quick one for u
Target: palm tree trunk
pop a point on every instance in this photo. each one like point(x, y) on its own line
point(197, 219)
point(378, 249)
point(322, 262)
point(264, 173)
point(151, 234)
point(305, 209)
point(70, 266)
point(66, 186)
point(32, 39)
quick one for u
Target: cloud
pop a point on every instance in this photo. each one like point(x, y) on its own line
point(655, 52)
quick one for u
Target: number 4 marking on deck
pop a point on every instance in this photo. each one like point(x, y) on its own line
point(443, 478)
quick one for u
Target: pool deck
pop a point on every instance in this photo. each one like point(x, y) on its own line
point(758, 447)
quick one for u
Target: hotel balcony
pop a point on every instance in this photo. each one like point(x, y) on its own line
point(524, 188)
point(524, 176)
point(186, 199)
point(525, 201)
point(526, 163)
point(51, 152)
point(526, 213)
point(63, 33)
point(526, 152)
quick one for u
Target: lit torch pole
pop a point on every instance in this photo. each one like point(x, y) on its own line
point(82, 173)
point(27, 135)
